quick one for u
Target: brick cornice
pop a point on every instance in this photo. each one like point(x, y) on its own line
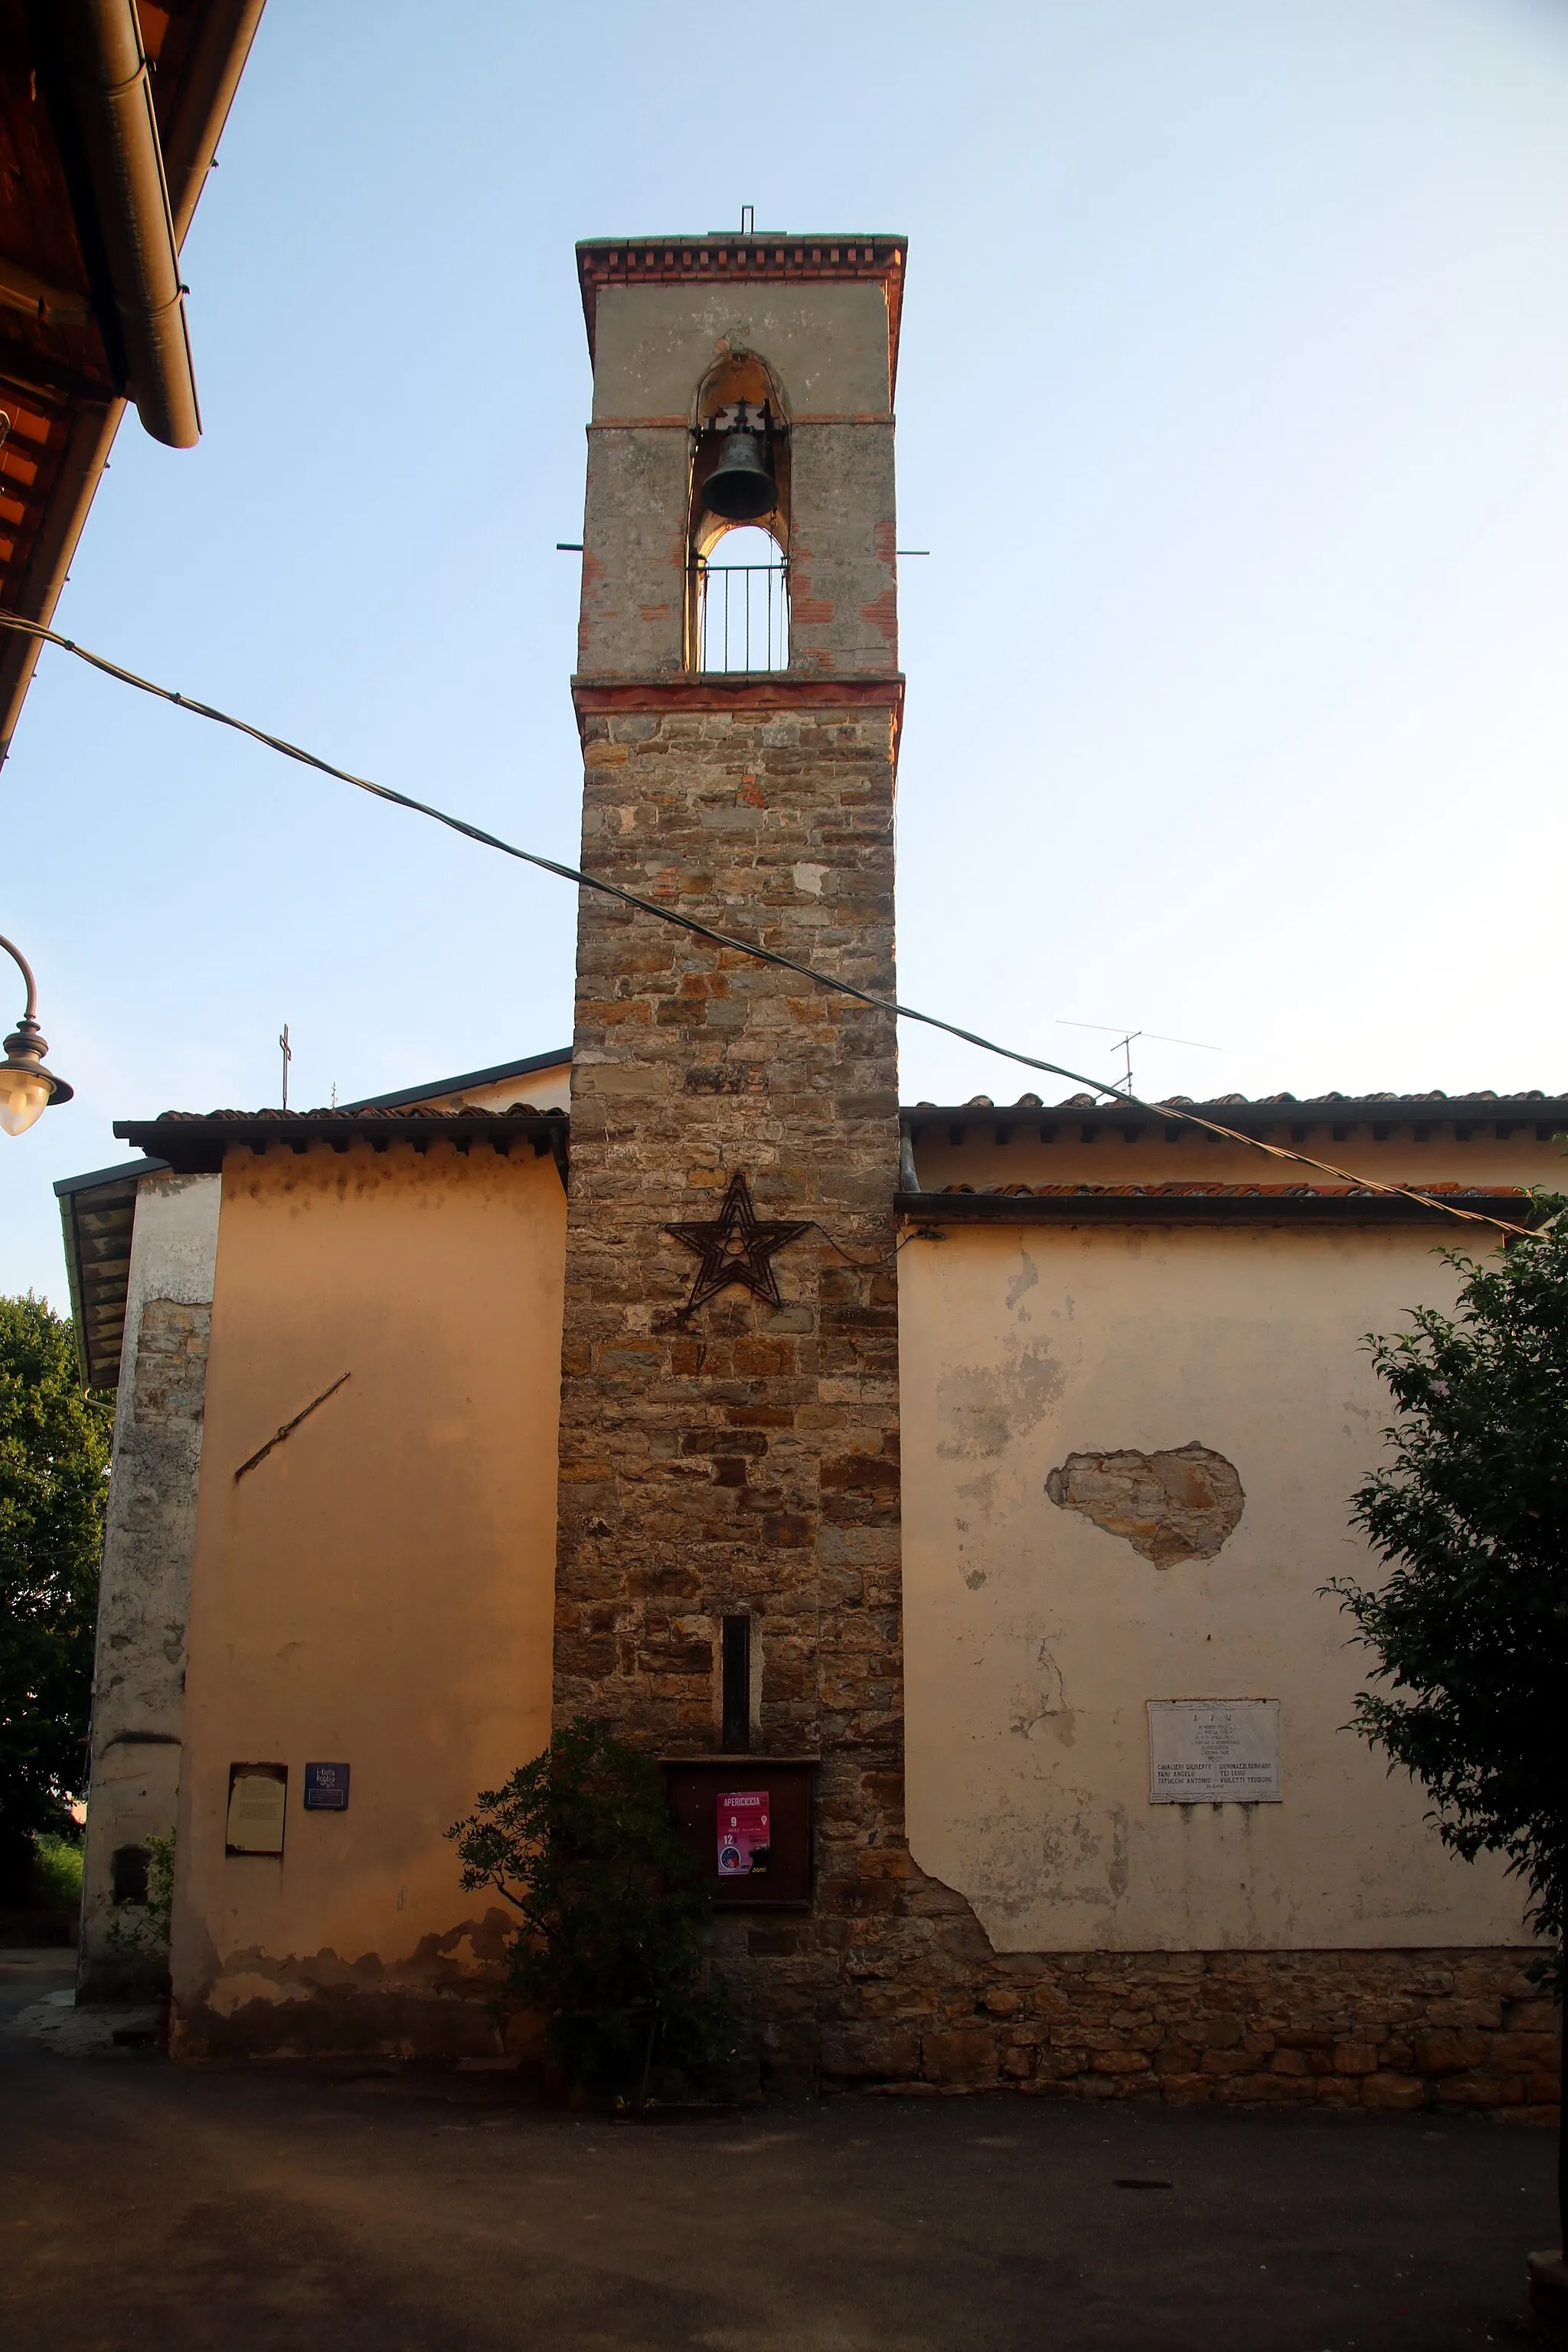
point(740, 691)
point(743, 260)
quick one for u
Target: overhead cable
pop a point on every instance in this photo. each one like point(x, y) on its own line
point(751, 948)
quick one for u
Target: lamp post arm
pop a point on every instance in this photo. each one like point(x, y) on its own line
point(25, 969)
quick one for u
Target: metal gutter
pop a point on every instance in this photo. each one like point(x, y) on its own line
point(111, 88)
point(208, 84)
point(212, 75)
point(146, 1166)
point(1203, 1208)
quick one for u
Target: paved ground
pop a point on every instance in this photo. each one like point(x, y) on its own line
point(270, 2210)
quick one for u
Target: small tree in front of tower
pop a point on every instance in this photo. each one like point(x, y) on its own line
point(612, 1912)
point(1469, 1628)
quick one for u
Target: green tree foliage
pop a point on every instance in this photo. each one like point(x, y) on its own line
point(54, 1452)
point(1469, 1628)
point(611, 1907)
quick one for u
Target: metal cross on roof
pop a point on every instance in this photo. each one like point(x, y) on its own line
point(737, 1245)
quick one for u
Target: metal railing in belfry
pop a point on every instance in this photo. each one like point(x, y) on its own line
point(742, 616)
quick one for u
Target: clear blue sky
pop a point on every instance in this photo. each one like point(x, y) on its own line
point(1233, 404)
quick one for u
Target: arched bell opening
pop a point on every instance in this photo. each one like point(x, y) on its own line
point(741, 602)
point(738, 531)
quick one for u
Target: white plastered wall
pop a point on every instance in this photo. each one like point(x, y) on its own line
point(1035, 1638)
point(138, 1677)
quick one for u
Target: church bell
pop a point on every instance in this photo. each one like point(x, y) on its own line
point(740, 488)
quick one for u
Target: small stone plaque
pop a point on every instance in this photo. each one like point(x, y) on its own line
point(326, 1787)
point(1213, 1751)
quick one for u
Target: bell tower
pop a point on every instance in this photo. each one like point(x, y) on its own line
point(728, 1572)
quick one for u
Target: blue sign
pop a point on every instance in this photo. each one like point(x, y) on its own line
point(326, 1787)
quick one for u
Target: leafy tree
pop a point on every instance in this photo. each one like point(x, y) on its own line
point(54, 1452)
point(1469, 1628)
point(611, 1906)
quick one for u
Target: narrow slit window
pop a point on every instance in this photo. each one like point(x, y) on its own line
point(736, 1733)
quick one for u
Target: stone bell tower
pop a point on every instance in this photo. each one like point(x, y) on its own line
point(728, 1576)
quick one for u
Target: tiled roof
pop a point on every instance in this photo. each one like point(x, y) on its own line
point(1201, 1192)
point(351, 1115)
point(1485, 1101)
point(197, 1140)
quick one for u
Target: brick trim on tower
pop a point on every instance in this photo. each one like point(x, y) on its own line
point(743, 260)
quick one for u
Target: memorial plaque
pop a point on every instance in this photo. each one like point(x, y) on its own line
point(326, 1787)
point(1213, 1751)
point(258, 1797)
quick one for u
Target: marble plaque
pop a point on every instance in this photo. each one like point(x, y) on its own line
point(1213, 1751)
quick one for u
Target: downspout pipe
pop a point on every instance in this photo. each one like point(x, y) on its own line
point(112, 91)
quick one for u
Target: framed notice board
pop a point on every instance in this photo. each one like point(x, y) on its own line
point(748, 1820)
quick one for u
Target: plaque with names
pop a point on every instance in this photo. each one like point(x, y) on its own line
point(326, 1787)
point(1214, 1751)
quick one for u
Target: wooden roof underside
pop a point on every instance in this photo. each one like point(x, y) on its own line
point(63, 374)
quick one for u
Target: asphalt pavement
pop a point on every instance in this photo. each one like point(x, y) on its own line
point(151, 2208)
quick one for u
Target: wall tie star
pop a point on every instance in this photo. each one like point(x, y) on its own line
point(737, 1245)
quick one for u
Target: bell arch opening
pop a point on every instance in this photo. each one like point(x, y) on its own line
point(738, 527)
point(741, 602)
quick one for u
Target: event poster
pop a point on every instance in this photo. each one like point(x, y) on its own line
point(743, 1834)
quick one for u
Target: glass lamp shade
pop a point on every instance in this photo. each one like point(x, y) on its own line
point(24, 1098)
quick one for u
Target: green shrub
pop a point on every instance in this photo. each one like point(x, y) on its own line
point(142, 1929)
point(56, 1871)
point(54, 1458)
point(611, 1907)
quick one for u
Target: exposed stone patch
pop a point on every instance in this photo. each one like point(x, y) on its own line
point(1179, 1505)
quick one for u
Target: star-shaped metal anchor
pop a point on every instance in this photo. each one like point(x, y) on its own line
point(737, 1245)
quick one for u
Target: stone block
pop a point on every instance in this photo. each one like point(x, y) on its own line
point(1393, 2094)
point(964, 2057)
point(873, 2048)
point(1450, 2053)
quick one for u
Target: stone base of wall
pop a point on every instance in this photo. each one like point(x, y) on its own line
point(910, 1998)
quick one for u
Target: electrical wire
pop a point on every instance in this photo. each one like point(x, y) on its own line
point(1166, 1110)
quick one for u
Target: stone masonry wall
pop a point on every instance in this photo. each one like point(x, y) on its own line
point(743, 1459)
point(144, 1592)
point(746, 1459)
point(923, 2005)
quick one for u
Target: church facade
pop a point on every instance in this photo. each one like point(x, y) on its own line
point(958, 1483)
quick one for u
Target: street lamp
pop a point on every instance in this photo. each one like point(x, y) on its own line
point(27, 1089)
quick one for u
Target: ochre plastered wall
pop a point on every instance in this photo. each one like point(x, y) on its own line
point(546, 1090)
point(1034, 1637)
point(377, 1592)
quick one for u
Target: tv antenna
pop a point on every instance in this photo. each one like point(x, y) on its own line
point(288, 1057)
point(1127, 1038)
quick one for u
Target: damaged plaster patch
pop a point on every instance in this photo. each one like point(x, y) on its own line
point(984, 1407)
point(1035, 1701)
point(1179, 1505)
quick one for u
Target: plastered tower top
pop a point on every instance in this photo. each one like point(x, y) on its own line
point(679, 328)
